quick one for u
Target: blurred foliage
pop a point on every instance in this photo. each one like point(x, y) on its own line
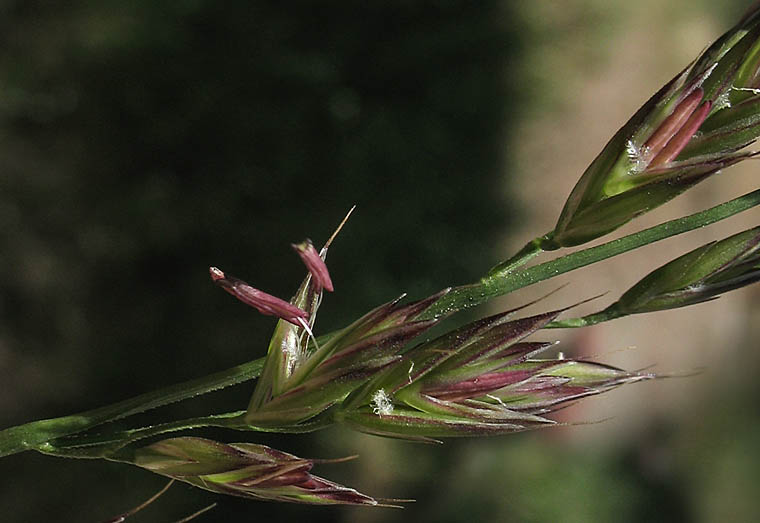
point(142, 141)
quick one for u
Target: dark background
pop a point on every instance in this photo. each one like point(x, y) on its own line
point(141, 142)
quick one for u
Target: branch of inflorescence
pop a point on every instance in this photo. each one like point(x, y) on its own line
point(503, 282)
point(503, 279)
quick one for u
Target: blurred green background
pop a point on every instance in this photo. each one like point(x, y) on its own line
point(141, 142)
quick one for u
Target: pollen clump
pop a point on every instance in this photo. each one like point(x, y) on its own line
point(381, 403)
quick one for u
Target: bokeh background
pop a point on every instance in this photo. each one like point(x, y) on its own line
point(141, 142)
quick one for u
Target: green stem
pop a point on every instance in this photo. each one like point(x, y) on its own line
point(528, 252)
point(591, 319)
point(106, 444)
point(101, 445)
point(500, 283)
point(32, 435)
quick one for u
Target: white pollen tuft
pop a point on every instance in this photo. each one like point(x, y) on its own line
point(637, 156)
point(381, 403)
point(724, 102)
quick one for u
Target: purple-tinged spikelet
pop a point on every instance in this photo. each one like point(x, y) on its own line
point(244, 469)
